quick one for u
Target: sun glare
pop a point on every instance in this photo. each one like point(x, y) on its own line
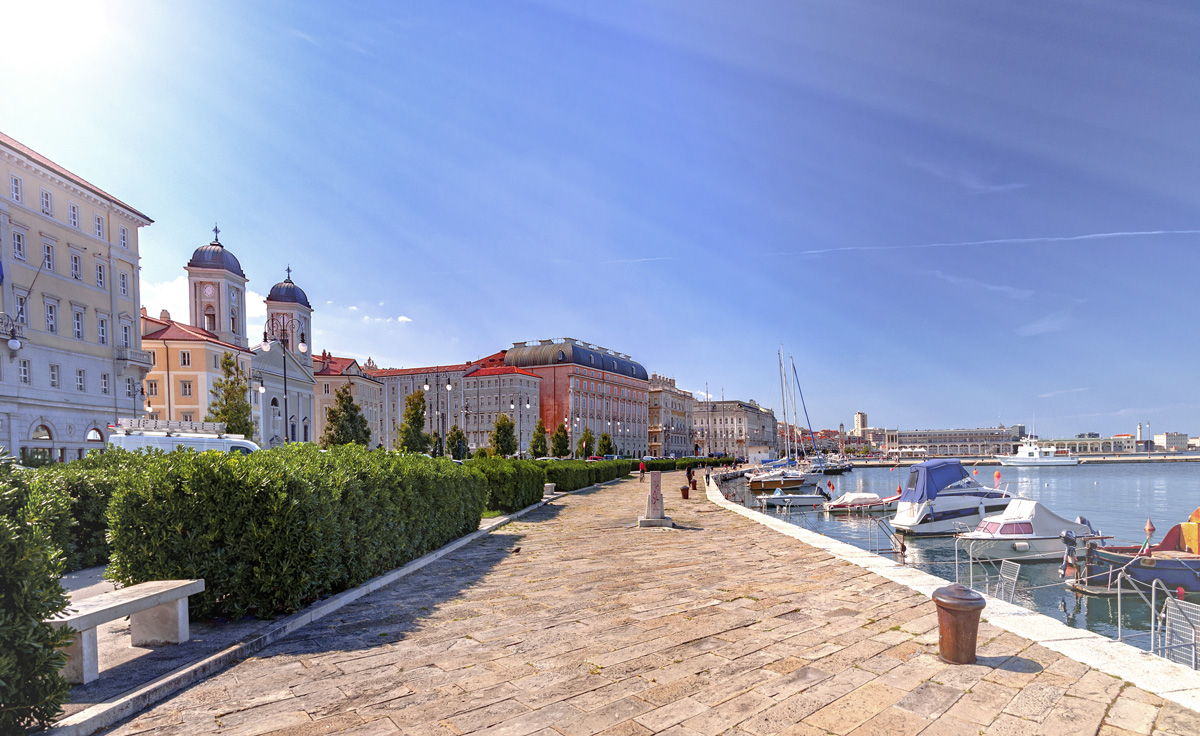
point(53, 36)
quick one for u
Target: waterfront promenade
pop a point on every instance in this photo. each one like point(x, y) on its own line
point(572, 621)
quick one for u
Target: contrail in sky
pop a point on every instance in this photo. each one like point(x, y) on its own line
point(997, 241)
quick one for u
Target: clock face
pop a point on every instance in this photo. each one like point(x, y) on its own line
point(208, 290)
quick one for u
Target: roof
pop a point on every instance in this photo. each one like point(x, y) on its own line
point(23, 150)
point(287, 291)
point(500, 371)
point(214, 255)
point(171, 330)
point(570, 351)
point(386, 372)
point(333, 366)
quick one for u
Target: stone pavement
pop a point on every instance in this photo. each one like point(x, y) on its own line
point(574, 622)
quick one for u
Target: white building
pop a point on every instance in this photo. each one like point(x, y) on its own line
point(283, 368)
point(740, 428)
point(1171, 441)
point(670, 416)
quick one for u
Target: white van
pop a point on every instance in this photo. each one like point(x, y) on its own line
point(153, 434)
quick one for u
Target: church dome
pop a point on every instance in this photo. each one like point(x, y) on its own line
point(287, 291)
point(214, 255)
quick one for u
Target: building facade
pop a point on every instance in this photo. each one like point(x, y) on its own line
point(999, 440)
point(670, 417)
point(186, 361)
point(860, 423)
point(585, 386)
point(331, 373)
point(1171, 441)
point(734, 427)
point(69, 308)
point(283, 368)
point(443, 406)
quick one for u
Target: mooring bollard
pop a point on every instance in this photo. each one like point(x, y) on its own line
point(548, 489)
point(958, 609)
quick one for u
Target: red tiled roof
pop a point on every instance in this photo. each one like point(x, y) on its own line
point(501, 371)
point(26, 151)
point(418, 371)
point(173, 330)
point(331, 366)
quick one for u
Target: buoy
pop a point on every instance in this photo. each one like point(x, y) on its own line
point(1179, 592)
point(975, 471)
point(1149, 528)
point(897, 488)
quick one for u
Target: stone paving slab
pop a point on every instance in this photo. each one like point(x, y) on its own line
point(575, 622)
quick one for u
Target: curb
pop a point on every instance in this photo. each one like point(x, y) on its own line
point(1151, 673)
point(120, 707)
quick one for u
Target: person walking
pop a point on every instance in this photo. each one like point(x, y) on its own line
point(689, 474)
point(642, 472)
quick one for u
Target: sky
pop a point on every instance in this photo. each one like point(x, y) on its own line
point(949, 214)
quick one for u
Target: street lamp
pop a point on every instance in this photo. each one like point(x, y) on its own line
point(283, 330)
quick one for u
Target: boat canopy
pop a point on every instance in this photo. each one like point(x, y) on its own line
point(927, 478)
point(1045, 522)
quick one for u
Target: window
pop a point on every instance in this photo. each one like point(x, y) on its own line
point(153, 357)
point(22, 315)
point(15, 189)
point(47, 203)
point(100, 275)
point(51, 318)
point(185, 388)
point(48, 256)
point(185, 358)
point(23, 370)
point(123, 279)
point(126, 336)
point(152, 388)
point(124, 237)
point(187, 416)
point(76, 266)
point(104, 383)
point(326, 385)
point(80, 379)
point(18, 239)
point(77, 323)
point(233, 323)
point(216, 361)
point(102, 330)
point(99, 226)
point(53, 376)
point(210, 319)
point(73, 215)
point(129, 387)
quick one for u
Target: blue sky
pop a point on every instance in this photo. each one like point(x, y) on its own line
point(950, 213)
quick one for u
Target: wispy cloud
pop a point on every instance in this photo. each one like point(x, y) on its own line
point(996, 241)
point(1011, 292)
point(1060, 392)
point(968, 180)
point(1053, 322)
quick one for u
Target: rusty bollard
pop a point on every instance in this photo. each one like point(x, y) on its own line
point(958, 609)
point(693, 484)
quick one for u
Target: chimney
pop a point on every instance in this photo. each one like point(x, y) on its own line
point(164, 315)
point(143, 311)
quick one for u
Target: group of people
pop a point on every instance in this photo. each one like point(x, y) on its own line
point(690, 473)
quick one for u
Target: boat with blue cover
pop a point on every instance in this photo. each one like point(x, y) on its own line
point(942, 498)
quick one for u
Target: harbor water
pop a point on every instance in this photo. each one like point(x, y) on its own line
point(1116, 498)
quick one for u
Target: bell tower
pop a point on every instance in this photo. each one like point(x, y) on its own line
point(217, 292)
point(288, 311)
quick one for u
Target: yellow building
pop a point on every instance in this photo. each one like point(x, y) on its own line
point(331, 373)
point(70, 296)
point(187, 359)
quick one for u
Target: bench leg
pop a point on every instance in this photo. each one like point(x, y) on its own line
point(165, 624)
point(83, 660)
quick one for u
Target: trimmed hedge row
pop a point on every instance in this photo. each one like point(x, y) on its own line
point(86, 485)
point(571, 475)
point(272, 531)
point(512, 484)
point(683, 463)
point(31, 522)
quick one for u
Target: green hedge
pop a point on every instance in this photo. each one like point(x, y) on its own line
point(31, 519)
point(272, 531)
point(571, 475)
point(87, 485)
point(512, 484)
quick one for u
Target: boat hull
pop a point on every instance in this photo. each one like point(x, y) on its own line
point(948, 514)
point(1103, 564)
point(1017, 462)
point(1026, 549)
point(791, 499)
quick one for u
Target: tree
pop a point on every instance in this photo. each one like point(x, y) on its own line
point(560, 442)
point(456, 442)
point(412, 437)
point(230, 400)
point(586, 445)
point(606, 445)
point(537, 444)
point(504, 438)
point(344, 421)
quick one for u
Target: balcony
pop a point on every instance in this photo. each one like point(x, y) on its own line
point(136, 357)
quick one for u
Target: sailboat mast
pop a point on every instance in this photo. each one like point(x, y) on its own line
point(796, 379)
point(787, 430)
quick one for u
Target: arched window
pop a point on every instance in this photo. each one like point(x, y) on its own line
point(94, 435)
point(41, 432)
point(233, 323)
point(306, 430)
point(561, 356)
point(210, 319)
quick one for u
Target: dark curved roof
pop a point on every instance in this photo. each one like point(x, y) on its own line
point(214, 255)
point(571, 352)
point(287, 291)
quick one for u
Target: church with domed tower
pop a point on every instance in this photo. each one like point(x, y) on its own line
point(283, 364)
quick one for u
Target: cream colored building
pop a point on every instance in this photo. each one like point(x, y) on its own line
point(331, 373)
point(69, 294)
point(670, 419)
point(187, 360)
point(739, 428)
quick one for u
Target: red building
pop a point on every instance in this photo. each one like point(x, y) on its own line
point(587, 386)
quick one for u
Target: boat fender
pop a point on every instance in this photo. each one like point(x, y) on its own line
point(1147, 561)
point(1021, 546)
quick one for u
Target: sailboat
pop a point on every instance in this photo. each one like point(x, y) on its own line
point(790, 475)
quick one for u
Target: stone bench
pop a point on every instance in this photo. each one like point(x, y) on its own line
point(158, 614)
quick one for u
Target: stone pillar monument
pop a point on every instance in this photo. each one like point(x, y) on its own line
point(654, 504)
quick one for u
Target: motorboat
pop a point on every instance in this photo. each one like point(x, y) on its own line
point(1026, 530)
point(779, 498)
point(783, 478)
point(862, 503)
point(942, 498)
point(1175, 561)
point(1030, 454)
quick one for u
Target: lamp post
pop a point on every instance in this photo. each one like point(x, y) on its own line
point(520, 424)
point(283, 329)
point(467, 421)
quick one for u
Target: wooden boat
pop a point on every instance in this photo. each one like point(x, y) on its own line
point(1175, 560)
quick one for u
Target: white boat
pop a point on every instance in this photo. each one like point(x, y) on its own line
point(862, 502)
point(783, 478)
point(1026, 530)
point(1031, 454)
point(942, 498)
point(779, 498)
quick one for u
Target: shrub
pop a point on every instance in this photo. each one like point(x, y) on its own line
point(274, 530)
point(571, 475)
point(31, 689)
point(512, 484)
point(88, 484)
